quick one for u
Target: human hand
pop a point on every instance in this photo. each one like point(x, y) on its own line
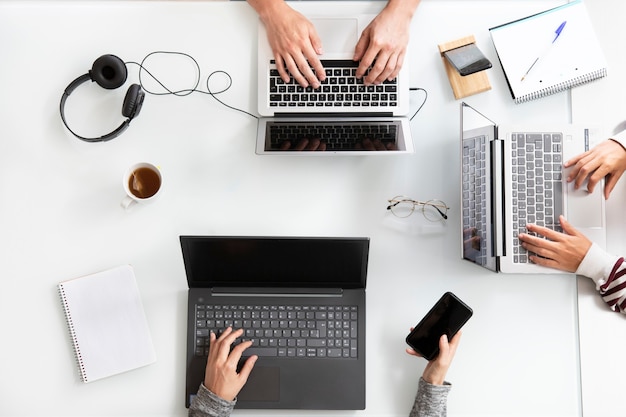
point(436, 369)
point(607, 159)
point(383, 43)
point(564, 251)
point(294, 41)
point(221, 376)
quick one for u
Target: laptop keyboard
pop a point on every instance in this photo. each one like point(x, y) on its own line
point(475, 183)
point(340, 89)
point(536, 187)
point(283, 330)
point(337, 136)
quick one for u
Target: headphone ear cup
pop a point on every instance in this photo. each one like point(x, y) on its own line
point(133, 101)
point(109, 72)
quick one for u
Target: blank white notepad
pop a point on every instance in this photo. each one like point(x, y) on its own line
point(107, 323)
point(559, 46)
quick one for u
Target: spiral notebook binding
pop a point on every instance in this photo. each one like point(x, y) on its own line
point(72, 333)
point(562, 86)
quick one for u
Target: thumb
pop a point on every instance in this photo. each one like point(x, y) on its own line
point(247, 367)
point(567, 226)
point(443, 344)
point(611, 180)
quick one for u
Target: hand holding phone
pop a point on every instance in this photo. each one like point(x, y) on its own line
point(447, 316)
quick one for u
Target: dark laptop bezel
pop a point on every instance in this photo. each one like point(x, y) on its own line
point(348, 376)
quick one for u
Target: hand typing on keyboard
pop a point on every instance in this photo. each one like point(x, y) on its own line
point(607, 159)
point(221, 376)
point(383, 43)
point(564, 251)
point(296, 44)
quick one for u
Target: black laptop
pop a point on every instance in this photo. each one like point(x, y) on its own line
point(301, 300)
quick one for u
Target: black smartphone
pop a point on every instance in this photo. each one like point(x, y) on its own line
point(467, 59)
point(447, 316)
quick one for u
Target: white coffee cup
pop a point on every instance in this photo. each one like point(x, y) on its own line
point(142, 183)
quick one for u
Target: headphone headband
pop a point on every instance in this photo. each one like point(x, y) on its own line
point(109, 72)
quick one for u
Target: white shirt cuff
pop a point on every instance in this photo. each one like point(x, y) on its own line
point(620, 138)
point(597, 265)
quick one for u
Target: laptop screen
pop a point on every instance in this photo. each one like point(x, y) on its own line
point(478, 211)
point(296, 262)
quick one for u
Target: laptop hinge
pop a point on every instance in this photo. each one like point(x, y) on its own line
point(498, 206)
point(333, 116)
point(278, 292)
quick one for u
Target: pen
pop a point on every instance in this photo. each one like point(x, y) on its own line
point(558, 33)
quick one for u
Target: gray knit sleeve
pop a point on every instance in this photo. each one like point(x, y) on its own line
point(207, 404)
point(430, 400)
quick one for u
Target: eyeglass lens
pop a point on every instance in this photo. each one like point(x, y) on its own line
point(402, 208)
point(435, 210)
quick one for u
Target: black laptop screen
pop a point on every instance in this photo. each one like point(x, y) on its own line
point(299, 262)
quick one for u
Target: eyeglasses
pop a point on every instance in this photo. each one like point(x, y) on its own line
point(433, 210)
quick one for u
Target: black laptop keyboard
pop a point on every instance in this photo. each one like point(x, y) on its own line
point(537, 188)
point(340, 88)
point(336, 136)
point(283, 330)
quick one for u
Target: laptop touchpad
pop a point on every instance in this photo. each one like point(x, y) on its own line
point(263, 385)
point(338, 35)
point(584, 209)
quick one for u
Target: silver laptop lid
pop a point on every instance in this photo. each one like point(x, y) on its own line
point(480, 156)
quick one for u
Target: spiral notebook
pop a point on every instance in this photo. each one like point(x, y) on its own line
point(107, 324)
point(549, 52)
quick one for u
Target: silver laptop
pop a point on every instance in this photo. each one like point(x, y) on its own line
point(343, 116)
point(512, 176)
point(300, 300)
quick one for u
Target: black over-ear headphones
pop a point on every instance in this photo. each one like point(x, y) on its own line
point(108, 72)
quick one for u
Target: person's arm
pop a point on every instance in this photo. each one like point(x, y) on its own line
point(609, 274)
point(217, 394)
point(294, 41)
point(571, 251)
point(432, 392)
point(384, 42)
point(605, 160)
point(207, 404)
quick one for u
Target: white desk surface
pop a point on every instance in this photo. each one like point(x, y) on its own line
point(601, 332)
point(60, 215)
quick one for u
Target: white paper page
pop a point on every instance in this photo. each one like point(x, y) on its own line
point(110, 330)
point(571, 59)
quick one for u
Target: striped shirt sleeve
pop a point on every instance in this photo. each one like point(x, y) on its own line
point(609, 274)
point(613, 291)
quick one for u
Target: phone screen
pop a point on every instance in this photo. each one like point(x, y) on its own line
point(447, 316)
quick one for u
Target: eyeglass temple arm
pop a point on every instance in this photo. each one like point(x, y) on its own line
point(445, 216)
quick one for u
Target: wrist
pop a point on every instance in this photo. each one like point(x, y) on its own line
point(433, 378)
point(403, 7)
point(268, 9)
